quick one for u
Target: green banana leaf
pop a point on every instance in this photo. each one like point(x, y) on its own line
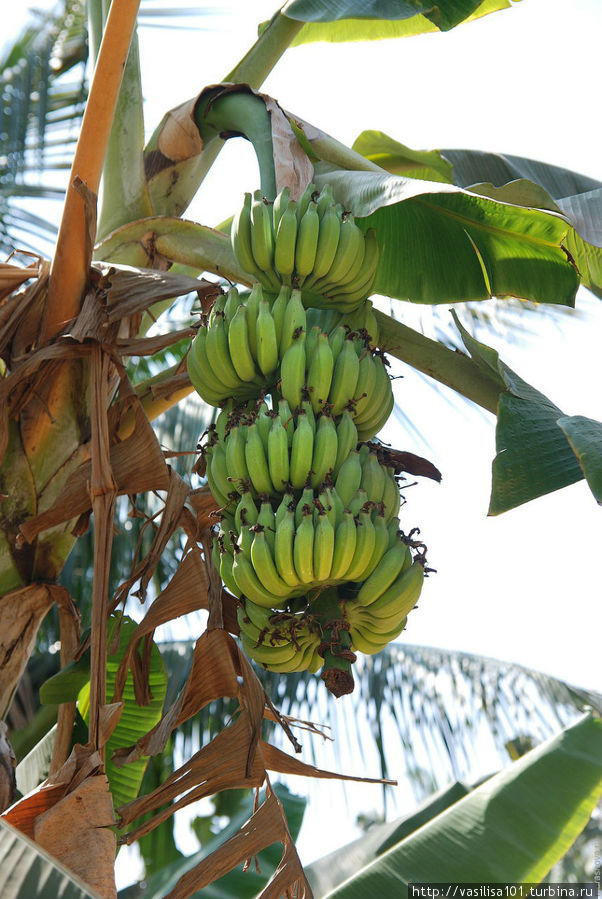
point(28, 871)
point(328, 872)
point(508, 179)
point(513, 828)
point(441, 244)
point(135, 720)
point(237, 884)
point(539, 449)
point(358, 20)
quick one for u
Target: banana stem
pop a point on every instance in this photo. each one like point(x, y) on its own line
point(336, 644)
point(237, 113)
point(271, 44)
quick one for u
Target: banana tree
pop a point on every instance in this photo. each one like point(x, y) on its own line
point(76, 431)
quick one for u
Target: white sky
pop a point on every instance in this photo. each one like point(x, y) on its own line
point(524, 587)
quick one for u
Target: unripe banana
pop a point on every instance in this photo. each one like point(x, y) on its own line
point(278, 459)
point(267, 655)
point(366, 381)
point(225, 572)
point(349, 478)
point(264, 566)
point(250, 585)
point(256, 460)
point(218, 354)
point(267, 521)
point(238, 473)
point(283, 549)
point(278, 310)
point(240, 237)
point(243, 542)
point(328, 241)
point(307, 499)
point(301, 452)
point(391, 497)
point(351, 242)
point(373, 426)
point(267, 343)
point(285, 243)
point(292, 372)
point(307, 407)
point(359, 502)
point(216, 464)
point(401, 597)
point(311, 343)
point(262, 236)
point(325, 200)
point(280, 205)
point(336, 338)
point(307, 242)
point(373, 478)
point(253, 302)
point(346, 440)
point(319, 376)
point(351, 294)
point(286, 417)
point(303, 548)
point(304, 200)
point(383, 575)
point(294, 321)
point(364, 547)
point(381, 543)
point(336, 503)
point(323, 548)
point(344, 546)
point(246, 510)
point(239, 347)
point(264, 423)
point(324, 451)
point(202, 377)
point(233, 302)
point(285, 502)
point(344, 378)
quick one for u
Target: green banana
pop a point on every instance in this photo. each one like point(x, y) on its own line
point(238, 473)
point(278, 310)
point(262, 236)
point(373, 478)
point(346, 440)
point(246, 510)
point(253, 302)
point(287, 238)
point(307, 242)
point(344, 546)
point(280, 204)
point(324, 450)
point(286, 417)
point(349, 478)
point(294, 321)
point(307, 499)
point(265, 568)
point(328, 241)
point(267, 343)
point(381, 543)
point(383, 575)
point(267, 520)
point(257, 463)
point(344, 378)
point(240, 238)
point(319, 376)
point(250, 585)
point(364, 547)
point(301, 452)
point(283, 549)
point(303, 548)
point(304, 200)
point(238, 346)
point(278, 458)
point(292, 372)
point(323, 548)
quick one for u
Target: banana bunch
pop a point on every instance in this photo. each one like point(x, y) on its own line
point(273, 451)
point(282, 642)
point(312, 244)
point(337, 371)
point(236, 353)
point(271, 557)
point(385, 599)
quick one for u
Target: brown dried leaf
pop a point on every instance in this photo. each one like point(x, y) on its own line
point(131, 290)
point(69, 622)
point(288, 878)
point(292, 165)
point(149, 345)
point(13, 276)
point(220, 765)
point(20, 315)
point(402, 461)
point(77, 832)
point(21, 613)
point(8, 764)
point(264, 827)
point(23, 814)
point(137, 465)
point(213, 674)
point(179, 138)
point(277, 760)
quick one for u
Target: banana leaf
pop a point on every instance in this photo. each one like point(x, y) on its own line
point(27, 870)
point(512, 829)
point(357, 20)
point(238, 884)
point(135, 720)
point(441, 244)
